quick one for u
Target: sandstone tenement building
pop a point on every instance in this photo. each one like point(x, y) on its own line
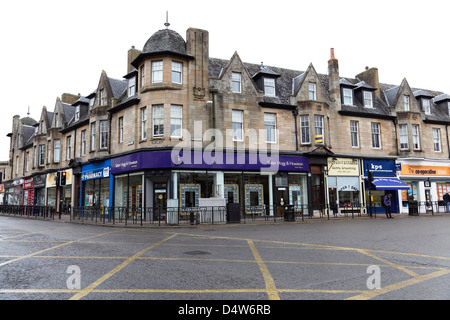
point(115, 143)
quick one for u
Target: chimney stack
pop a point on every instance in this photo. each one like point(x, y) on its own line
point(132, 55)
point(333, 80)
point(370, 76)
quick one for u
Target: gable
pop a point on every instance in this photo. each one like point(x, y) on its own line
point(399, 102)
point(301, 86)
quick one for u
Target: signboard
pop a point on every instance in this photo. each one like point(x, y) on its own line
point(380, 168)
point(343, 167)
point(207, 161)
point(95, 174)
point(424, 171)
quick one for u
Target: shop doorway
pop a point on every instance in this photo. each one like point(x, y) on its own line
point(160, 201)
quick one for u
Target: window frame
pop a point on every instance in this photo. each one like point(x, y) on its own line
point(143, 121)
point(368, 99)
point(403, 134)
point(157, 71)
point(312, 91)
point(177, 72)
point(269, 83)
point(407, 103)
point(270, 128)
point(319, 127)
point(41, 160)
point(237, 124)
point(176, 117)
point(103, 124)
point(236, 79)
point(68, 147)
point(344, 90)
point(120, 129)
point(56, 150)
point(416, 136)
point(354, 134)
point(158, 121)
point(93, 135)
point(131, 86)
point(426, 105)
point(437, 140)
point(305, 134)
point(83, 143)
point(376, 134)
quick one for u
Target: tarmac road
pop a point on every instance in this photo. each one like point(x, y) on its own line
point(399, 259)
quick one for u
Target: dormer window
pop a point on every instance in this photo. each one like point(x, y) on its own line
point(368, 100)
point(426, 105)
point(269, 87)
point(312, 93)
point(131, 86)
point(348, 96)
point(77, 113)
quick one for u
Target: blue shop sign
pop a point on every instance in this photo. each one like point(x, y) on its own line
point(95, 174)
point(380, 168)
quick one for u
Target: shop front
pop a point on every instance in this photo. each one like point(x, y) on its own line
point(13, 192)
point(428, 181)
point(39, 189)
point(96, 185)
point(154, 179)
point(385, 182)
point(28, 192)
point(344, 186)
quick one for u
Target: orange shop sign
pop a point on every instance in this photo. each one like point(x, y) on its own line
point(425, 171)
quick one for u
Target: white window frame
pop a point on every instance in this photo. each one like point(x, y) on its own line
point(437, 147)
point(77, 113)
point(304, 129)
point(269, 87)
point(403, 133)
point(368, 99)
point(142, 76)
point(41, 155)
point(426, 103)
point(406, 100)
point(131, 86)
point(49, 151)
point(157, 71)
point(237, 120)
point(120, 129)
point(103, 134)
point(376, 135)
point(236, 80)
point(270, 127)
point(102, 97)
point(56, 150)
point(348, 95)
point(93, 134)
point(83, 142)
point(143, 114)
point(158, 121)
point(176, 121)
point(416, 136)
point(177, 72)
point(312, 91)
point(319, 127)
point(69, 147)
point(354, 133)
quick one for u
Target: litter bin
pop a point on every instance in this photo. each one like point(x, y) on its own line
point(233, 213)
point(413, 207)
point(289, 213)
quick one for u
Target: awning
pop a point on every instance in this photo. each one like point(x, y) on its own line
point(389, 184)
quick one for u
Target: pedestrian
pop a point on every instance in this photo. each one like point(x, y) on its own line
point(387, 205)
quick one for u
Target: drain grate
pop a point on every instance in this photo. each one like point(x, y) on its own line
point(196, 253)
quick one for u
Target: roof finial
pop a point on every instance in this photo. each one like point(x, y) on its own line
point(167, 24)
point(28, 113)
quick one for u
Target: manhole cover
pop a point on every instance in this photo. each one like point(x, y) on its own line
point(196, 253)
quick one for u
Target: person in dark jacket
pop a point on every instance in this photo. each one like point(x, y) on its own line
point(387, 205)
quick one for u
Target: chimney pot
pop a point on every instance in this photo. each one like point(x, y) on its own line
point(367, 68)
point(332, 53)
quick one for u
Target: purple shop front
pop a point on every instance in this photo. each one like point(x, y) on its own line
point(208, 161)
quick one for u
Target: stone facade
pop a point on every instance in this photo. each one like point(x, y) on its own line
point(120, 116)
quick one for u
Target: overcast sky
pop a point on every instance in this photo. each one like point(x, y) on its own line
point(53, 47)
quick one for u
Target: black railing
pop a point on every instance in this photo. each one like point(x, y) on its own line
point(232, 213)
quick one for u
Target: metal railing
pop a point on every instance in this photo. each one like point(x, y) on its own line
point(232, 213)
